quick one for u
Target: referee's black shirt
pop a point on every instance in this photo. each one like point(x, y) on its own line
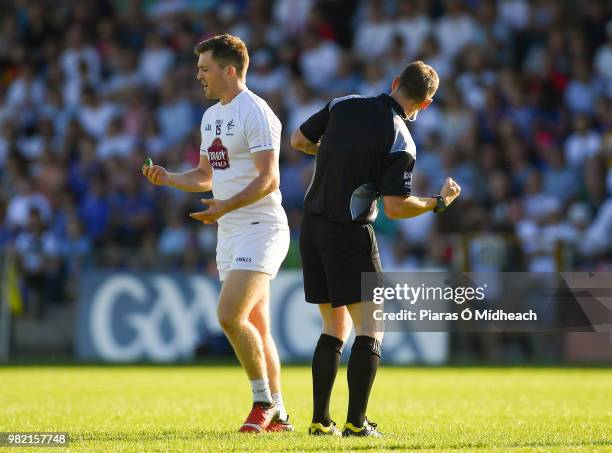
point(366, 151)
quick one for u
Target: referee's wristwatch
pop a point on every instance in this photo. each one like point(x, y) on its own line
point(440, 204)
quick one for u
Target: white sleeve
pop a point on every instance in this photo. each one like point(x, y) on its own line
point(262, 129)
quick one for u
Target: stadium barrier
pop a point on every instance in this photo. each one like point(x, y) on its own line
point(167, 317)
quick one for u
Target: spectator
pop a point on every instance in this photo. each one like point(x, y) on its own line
point(455, 29)
point(116, 142)
point(265, 78)
point(95, 115)
point(78, 55)
point(603, 60)
point(124, 70)
point(583, 143)
point(559, 181)
point(292, 15)
point(374, 35)
point(174, 114)
point(582, 90)
point(598, 237)
point(535, 202)
point(36, 248)
point(413, 25)
point(23, 202)
point(474, 81)
point(315, 51)
point(301, 105)
point(174, 238)
point(94, 210)
point(27, 89)
point(155, 61)
point(76, 248)
point(346, 80)
point(514, 13)
point(374, 81)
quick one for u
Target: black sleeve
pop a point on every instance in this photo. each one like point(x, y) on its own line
point(314, 127)
point(397, 174)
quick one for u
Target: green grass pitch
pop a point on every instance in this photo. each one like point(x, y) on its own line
point(199, 408)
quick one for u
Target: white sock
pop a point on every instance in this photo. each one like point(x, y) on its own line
point(278, 400)
point(261, 391)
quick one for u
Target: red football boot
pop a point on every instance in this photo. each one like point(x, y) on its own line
point(262, 414)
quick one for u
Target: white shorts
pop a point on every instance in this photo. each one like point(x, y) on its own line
point(260, 248)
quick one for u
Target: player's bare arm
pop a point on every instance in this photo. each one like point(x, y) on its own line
point(266, 182)
point(398, 207)
point(197, 179)
point(299, 141)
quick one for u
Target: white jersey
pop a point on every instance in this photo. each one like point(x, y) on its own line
point(230, 133)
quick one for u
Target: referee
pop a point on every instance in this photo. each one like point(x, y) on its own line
point(364, 150)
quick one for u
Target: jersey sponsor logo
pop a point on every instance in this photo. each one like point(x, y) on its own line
point(218, 124)
point(208, 127)
point(218, 155)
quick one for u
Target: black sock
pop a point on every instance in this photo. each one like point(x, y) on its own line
point(325, 363)
point(362, 366)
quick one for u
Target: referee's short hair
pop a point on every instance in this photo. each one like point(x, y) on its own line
point(227, 49)
point(418, 81)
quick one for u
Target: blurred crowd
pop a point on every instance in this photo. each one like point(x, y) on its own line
point(522, 120)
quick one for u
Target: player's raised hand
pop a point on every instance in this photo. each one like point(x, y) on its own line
point(156, 174)
point(450, 191)
point(216, 208)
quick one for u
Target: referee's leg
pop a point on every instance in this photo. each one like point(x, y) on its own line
point(364, 359)
point(326, 358)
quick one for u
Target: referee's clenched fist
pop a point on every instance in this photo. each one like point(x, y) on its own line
point(450, 191)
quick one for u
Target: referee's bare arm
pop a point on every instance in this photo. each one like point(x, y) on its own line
point(299, 141)
point(399, 207)
point(197, 179)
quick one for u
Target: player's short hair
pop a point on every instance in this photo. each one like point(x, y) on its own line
point(418, 81)
point(226, 49)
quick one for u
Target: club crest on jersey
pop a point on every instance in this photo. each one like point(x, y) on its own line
point(218, 155)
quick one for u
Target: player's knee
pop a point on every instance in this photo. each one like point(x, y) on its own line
point(229, 321)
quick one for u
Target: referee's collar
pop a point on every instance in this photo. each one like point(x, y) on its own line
point(393, 104)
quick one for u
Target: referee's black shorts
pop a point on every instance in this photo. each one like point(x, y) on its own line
point(333, 257)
